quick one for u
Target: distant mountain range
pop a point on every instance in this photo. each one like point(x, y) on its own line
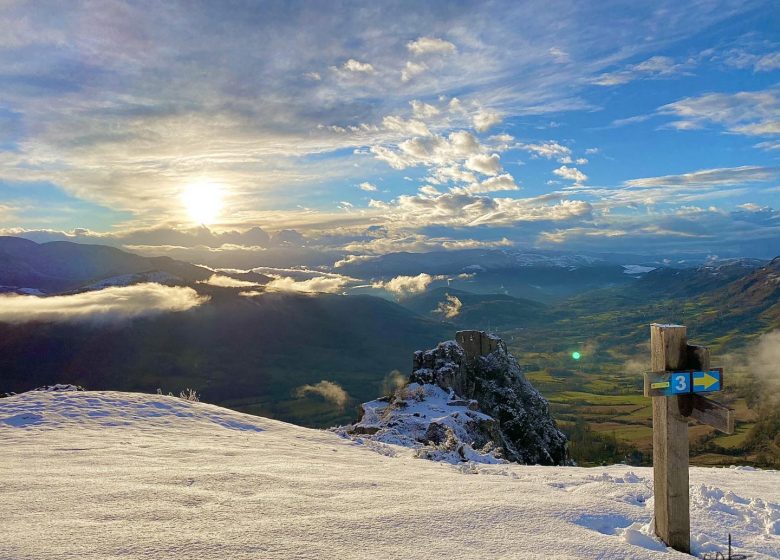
point(60, 266)
point(254, 353)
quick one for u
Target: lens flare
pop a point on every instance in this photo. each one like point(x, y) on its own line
point(576, 355)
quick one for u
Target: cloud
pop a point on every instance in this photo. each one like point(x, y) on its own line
point(485, 164)
point(764, 360)
point(485, 120)
point(121, 126)
point(352, 259)
point(328, 390)
point(412, 69)
point(353, 65)
point(368, 187)
point(403, 285)
point(430, 45)
point(103, 306)
point(434, 150)
point(423, 110)
point(750, 113)
point(549, 150)
point(710, 177)
point(652, 68)
point(758, 62)
point(417, 243)
point(571, 173)
point(318, 284)
point(468, 209)
point(450, 307)
point(560, 56)
point(228, 282)
point(503, 182)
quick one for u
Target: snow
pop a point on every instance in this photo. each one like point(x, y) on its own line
point(637, 269)
point(406, 422)
point(107, 475)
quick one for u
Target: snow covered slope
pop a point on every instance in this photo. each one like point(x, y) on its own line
point(106, 475)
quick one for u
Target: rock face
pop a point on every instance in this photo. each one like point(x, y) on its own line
point(467, 396)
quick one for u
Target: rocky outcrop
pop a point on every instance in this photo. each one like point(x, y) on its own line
point(467, 396)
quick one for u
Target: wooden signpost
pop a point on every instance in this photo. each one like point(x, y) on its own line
point(680, 372)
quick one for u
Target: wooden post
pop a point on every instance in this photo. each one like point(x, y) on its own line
point(668, 352)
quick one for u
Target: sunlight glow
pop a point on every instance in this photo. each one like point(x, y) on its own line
point(203, 201)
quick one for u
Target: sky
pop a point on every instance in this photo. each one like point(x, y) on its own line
point(368, 128)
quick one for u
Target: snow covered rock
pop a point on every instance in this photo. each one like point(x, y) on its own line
point(466, 400)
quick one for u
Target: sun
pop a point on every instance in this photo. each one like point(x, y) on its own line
point(203, 201)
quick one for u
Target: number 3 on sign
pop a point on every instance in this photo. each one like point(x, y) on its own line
point(681, 383)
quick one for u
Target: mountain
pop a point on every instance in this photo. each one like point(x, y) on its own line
point(687, 282)
point(540, 276)
point(478, 311)
point(249, 353)
point(60, 266)
point(107, 475)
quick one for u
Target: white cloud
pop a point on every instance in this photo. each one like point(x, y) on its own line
point(654, 67)
point(423, 110)
point(430, 45)
point(351, 259)
point(432, 150)
point(102, 306)
point(228, 282)
point(571, 173)
point(758, 62)
point(560, 56)
point(484, 163)
point(403, 285)
point(328, 390)
point(411, 127)
point(751, 113)
point(450, 307)
point(319, 284)
point(419, 243)
point(498, 183)
point(549, 150)
point(485, 119)
point(428, 190)
point(353, 65)
point(464, 209)
point(368, 187)
point(412, 69)
point(710, 177)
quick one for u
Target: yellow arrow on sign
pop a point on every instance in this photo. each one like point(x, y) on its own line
point(706, 381)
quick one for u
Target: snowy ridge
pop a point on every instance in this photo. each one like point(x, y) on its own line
point(107, 475)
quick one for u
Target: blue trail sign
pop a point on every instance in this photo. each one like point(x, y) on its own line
point(669, 384)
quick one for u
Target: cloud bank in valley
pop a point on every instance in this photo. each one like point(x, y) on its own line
point(450, 307)
point(109, 305)
point(403, 285)
point(328, 390)
point(764, 360)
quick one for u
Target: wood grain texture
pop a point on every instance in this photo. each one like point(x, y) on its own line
point(669, 351)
